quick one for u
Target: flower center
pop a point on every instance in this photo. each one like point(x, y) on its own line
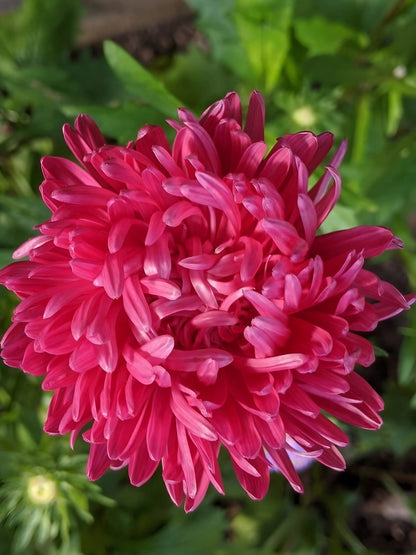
point(41, 490)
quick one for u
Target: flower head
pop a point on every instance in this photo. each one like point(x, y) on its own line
point(179, 300)
point(41, 490)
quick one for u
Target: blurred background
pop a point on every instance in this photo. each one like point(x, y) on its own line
point(347, 66)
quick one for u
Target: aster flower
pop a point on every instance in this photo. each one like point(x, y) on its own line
point(179, 301)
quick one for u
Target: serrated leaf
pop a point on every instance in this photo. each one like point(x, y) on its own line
point(139, 82)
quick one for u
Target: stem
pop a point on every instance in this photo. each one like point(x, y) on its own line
point(361, 128)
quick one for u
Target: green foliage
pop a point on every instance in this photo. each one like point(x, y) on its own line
point(190, 78)
point(263, 27)
point(347, 66)
point(217, 20)
point(321, 36)
point(251, 38)
point(139, 82)
point(26, 37)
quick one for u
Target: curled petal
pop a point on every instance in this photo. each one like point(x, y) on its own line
point(181, 300)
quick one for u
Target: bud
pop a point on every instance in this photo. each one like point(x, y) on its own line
point(304, 116)
point(400, 72)
point(41, 490)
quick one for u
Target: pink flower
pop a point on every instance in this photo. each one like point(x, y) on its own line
point(179, 300)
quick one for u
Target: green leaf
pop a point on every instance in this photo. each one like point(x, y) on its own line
point(198, 79)
point(40, 31)
point(335, 70)
point(199, 532)
point(340, 217)
point(394, 113)
point(139, 82)
point(407, 356)
point(398, 431)
point(321, 36)
point(5, 256)
point(263, 27)
point(18, 215)
point(216, 20)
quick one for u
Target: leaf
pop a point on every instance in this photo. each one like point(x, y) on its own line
point(18, 215)
point(40, 31)
point(199, 532)
point(340, 217)
point(321, 36)
point(407, 355)
point(198, 79)
point(398, 431)
point(263, 27)
point(5, 257)
point(139, 82)
point(394, 113)
point(390, 175)
point(354, 13)
point(333, 70)
point(216, 21)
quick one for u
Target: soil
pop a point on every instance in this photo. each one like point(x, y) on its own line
point(163, 40)
point(159, 41)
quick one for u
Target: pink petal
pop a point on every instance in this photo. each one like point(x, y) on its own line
point(286, 238)
point(193, 421)
point(372, 240)
point(255, 117)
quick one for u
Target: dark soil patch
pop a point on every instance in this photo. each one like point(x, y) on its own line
point(157, 42)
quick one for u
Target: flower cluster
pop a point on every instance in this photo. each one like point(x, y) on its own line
point(180, 300)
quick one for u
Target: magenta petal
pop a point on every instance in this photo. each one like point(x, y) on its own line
point(159, 347)
point(275, 363)
point(251, 158)
point(284, 464)
point(190, 418)
point(98, 461)
point(75, 142)
point(255, 117)
point(160, 287)
point(286, 238)
point(67, 172)
point(156, 228)
point(182, 299)
point(157, 435)
point(255, 486)
point(325, 141)
point(221, 196)
point(112, 276)
point(141, 467)
point(135, 305)
point(88, 129)
point(369, 239)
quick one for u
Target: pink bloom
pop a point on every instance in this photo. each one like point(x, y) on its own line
point(179, 300)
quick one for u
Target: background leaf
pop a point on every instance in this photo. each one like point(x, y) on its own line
point(321, 36)
point(264, 27)
point(139, 82)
